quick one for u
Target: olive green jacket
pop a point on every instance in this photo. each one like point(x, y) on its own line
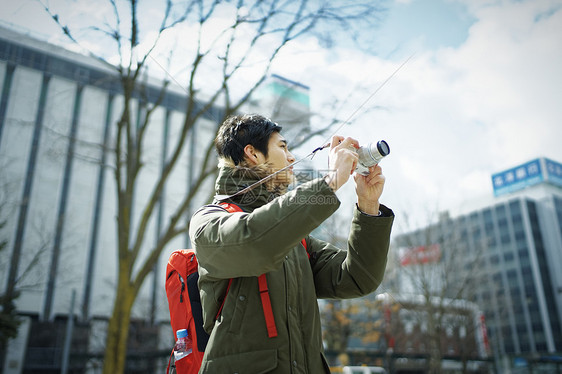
point(266, 238)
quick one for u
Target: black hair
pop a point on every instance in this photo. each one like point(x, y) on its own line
point(237, 132)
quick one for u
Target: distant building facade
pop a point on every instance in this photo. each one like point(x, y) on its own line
point(288, 102)
point(58, 111)
point(513, 247)
point(408, 332)
point(57, 116)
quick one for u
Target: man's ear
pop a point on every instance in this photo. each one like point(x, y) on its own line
point(252, 155)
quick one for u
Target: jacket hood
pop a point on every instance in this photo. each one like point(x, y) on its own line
point(234, 178)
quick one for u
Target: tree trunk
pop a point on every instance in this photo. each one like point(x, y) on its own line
point(435, 356)
point(434, 340)
point(118, 328)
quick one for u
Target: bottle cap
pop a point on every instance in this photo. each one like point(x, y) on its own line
point(181, 333)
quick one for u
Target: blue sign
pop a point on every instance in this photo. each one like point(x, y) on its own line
point(520, 362)
point(553, 172)
point(518, 177)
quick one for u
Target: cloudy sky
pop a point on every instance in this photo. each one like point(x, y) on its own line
point(481, 91)
point(481, 94)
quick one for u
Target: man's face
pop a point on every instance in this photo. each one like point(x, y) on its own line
point(278, 156)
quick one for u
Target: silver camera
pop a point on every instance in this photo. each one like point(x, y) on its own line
point(370, 155)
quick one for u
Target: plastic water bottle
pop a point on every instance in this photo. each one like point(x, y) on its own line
point(183, 345)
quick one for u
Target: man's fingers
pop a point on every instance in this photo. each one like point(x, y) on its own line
point(375, 169)
point(350, 142)
point(377, 179)
point(375, 175)
point(336, 140)
point(343, 142)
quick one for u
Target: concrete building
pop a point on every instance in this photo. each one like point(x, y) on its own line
point(408, 332)
point(57, 116)
point(511, 249)
point(288, 102)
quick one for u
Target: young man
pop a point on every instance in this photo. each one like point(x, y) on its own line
point(266, 238)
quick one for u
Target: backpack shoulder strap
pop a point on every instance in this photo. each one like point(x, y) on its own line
point(266, 301)
point(230, 208)
point(303, 241)
point(266, 304)
point(262, 282)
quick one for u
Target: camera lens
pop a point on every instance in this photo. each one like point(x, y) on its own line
point(371, 155)
point(383, 148)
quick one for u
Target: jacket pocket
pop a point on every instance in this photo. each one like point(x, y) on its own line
point(258, 362)
point(239, 309)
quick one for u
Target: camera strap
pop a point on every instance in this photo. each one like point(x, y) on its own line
point(265, 179)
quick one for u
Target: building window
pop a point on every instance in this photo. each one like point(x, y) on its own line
point(515, 209)
point(524, 257)
point(505, 237)
point(44, 351)
point(511, 275)
point(500, 212)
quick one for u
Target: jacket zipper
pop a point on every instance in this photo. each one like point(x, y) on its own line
point(182, 288)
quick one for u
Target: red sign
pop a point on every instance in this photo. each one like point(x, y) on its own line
point(421, 255)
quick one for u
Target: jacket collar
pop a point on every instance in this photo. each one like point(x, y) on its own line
point(233, 178)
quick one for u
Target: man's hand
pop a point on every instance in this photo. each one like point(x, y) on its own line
point(369, 189)
point(342, 161)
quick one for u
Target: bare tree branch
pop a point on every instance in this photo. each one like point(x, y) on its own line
point(252, 38)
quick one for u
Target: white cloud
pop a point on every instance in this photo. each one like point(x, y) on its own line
point(453, 116)
point(512, 79)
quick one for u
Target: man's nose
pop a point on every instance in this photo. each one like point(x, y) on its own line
point(290, 157)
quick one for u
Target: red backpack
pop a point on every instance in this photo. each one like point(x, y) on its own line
point(185, 303)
